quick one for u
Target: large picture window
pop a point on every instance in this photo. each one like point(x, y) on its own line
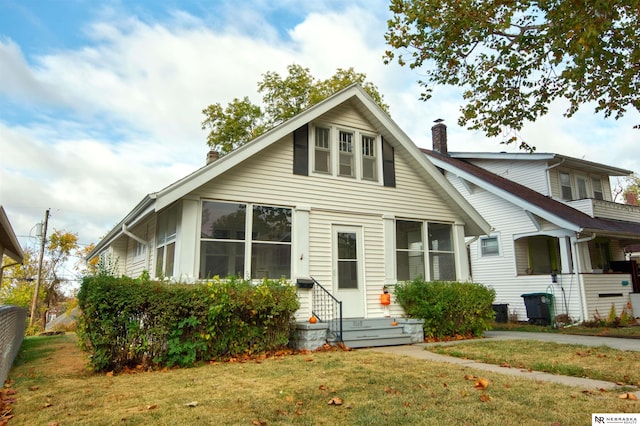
point(412, 254)
point(236, 238)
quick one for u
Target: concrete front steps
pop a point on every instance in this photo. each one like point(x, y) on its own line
point(373, 332)
point(359, 333)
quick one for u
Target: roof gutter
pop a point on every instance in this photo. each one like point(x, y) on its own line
point(549, 176)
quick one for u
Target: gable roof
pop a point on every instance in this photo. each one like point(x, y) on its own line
point(550, 158)
point(356, 97)
point(8, 239)
point(532, 201)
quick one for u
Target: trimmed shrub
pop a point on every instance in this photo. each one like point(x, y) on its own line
point(131, 322)
point(448, 308)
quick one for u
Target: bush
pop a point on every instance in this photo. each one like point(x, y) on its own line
point(129, 322)
point(448, 308)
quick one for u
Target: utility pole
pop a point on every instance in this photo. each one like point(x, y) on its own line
point(39, 277)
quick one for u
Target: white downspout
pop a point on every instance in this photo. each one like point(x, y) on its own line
point(578, 267)
point(128, 233)
point(549, 176)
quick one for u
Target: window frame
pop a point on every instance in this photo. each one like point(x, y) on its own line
point(327, 149)
point(249, 241)
point(165, 246)
point(356, 156)
point(482, 253)
point(428, 250)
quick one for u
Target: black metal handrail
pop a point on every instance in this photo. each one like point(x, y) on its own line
point(327, 308)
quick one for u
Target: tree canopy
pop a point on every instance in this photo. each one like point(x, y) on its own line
point(241, 121)
point(513, 58)
point(18, 282)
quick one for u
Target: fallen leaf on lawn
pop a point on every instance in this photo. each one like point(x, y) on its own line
point(47, 405)
point(485, 398)
point(191, 404)
point(470, 377)
point(52, 424)
point(152, 407)
point(348, 407)
point(481, 384)
point(629, 396)
point(322, 387)
point(289, 398)
point(308, 359)
point(299, 403)
point(109, 374)
point(505, 364)
point(34, 388)
point(258, 422)
point(335, 401)
point(10, 392)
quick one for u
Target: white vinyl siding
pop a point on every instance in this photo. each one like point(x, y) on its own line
point(334, 201)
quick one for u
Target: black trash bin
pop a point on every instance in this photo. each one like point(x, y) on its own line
point(538, 307)
point(502, 312)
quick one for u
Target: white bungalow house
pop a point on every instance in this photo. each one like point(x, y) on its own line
point(337, 196)
point(555, 231)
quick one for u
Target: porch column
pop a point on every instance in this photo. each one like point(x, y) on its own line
point(187, 264)
point(566, 263)
point(300, 243)
point(389, 225)
point(460, 253)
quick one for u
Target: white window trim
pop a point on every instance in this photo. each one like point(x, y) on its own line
point(248, 241)
point(487, 237)
point(334, 167)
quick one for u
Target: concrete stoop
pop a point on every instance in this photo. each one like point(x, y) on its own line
point(361, 333)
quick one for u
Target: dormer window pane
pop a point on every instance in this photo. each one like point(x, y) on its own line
point(369, 158)
point(322, 160)
point(345, 148)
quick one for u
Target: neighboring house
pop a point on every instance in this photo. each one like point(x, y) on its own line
point(338, 193)
point(555, 228)
point(9, 245)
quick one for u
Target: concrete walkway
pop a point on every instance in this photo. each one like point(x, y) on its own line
point(419, 350)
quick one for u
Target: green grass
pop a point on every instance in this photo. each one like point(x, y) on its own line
point(601, 363)
point(632, 331)
point(53, 385)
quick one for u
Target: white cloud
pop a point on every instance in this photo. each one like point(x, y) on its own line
point(120, 116)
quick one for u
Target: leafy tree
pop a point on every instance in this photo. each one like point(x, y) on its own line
point(632, 187)
point(241, 121)
point(514, 58)
point(18, 282)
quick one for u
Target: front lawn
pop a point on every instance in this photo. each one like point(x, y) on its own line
point(51, 384)
point(601, 363)
point(631, 331)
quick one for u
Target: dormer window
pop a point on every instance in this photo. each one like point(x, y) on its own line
point(598, 192)
point(322, 150)
point(369, 158)
point(346, 153)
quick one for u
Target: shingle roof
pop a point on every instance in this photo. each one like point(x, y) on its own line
point(533, 198)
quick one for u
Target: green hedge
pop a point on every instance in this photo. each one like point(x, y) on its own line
point(130, 322)
point(448, 308)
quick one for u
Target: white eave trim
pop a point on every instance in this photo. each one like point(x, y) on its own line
point(507, 196)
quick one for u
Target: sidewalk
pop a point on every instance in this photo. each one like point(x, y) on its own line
point(418, 350)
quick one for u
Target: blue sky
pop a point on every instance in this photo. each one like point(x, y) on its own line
point(100, 102)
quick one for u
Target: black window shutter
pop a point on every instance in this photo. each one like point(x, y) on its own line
point(388, 164)
point(301, 151)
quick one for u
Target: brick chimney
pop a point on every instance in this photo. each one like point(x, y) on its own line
point(631, 198)
point(439, 137)
point(212, 156)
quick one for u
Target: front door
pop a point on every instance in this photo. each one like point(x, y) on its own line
point(347, 270)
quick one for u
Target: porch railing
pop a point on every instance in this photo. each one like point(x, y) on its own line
point(327, 309)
